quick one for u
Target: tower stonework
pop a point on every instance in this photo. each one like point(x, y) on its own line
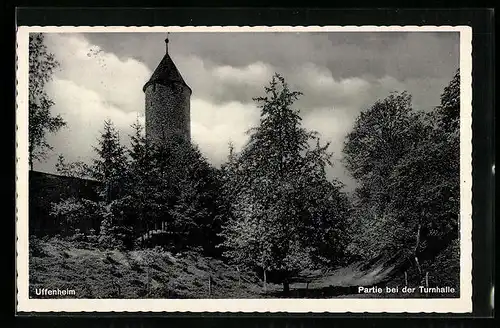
point(168, 99)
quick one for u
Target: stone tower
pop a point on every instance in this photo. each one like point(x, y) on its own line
point(167, 103)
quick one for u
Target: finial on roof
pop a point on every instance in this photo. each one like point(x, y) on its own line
point(166, 43)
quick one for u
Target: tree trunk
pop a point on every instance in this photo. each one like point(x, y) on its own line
point(417, 243)
point(418, 266)
point(239, 275)
point(265, 281)
point(415, 251)
point(209, 286)
point(286, 288)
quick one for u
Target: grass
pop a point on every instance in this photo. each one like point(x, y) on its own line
point(95, 273)
point(154, 273)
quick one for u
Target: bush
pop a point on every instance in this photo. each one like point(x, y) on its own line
point(77, 214)
point(445, 269)
point(109, 236)
point(113, 233)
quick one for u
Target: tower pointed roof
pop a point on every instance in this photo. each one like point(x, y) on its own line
point(166, 72)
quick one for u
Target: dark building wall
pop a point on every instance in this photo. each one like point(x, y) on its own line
point(45, 189)
point(167, 111)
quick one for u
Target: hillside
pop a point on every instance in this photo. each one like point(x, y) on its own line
point(95, 273)
point(136, 274)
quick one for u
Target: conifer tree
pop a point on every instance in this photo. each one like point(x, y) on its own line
point(192, 192)
point(110, 166)
point(141, 181)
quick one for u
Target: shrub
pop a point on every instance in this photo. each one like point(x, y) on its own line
point(77, 214)
point(445, 269)
point(109, 234)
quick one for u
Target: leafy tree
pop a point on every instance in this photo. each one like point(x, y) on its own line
point(382, 135)
point(448, 113)
point(73, 213)
point(426, 183)
point(380, 138)
point(42, 64)
point(408, 165)
point(76, 169)
point(282, 201)
point(168, 187)
point(115, 210)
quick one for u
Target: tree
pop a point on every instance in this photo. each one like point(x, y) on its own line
point(408, 165)
point(426, 183)
point(282, 201)
point(448, 112)
point(76, 169)
point(110, 166)
point(187, 195)
point(382, 135)
point(141, 181)
point(42, 64)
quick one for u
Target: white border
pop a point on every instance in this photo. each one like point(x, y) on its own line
point(457, 305)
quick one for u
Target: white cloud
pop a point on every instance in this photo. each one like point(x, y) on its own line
point(214, 126)
point(332, 124)
point(85, 112)
point(117, 81)
point(93, 85)
point(257, 73)
point(312, 77)
point(90, 87)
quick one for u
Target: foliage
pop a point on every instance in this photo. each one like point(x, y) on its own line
point(138, 203)
point(150, 187)
point(107, 215)
point(448, 113)
point(73, 214)
point(445, 268)
point(77, 169)
point(42, 64)
point(407, 163)
point(185, 195)
point(282, 207)
point(110, 165)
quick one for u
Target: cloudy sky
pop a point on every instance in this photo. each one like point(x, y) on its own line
point(340, 73)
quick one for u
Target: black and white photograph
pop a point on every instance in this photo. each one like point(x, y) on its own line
point(274, 165)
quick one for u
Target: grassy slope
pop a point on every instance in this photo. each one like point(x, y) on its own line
point(96, 273)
